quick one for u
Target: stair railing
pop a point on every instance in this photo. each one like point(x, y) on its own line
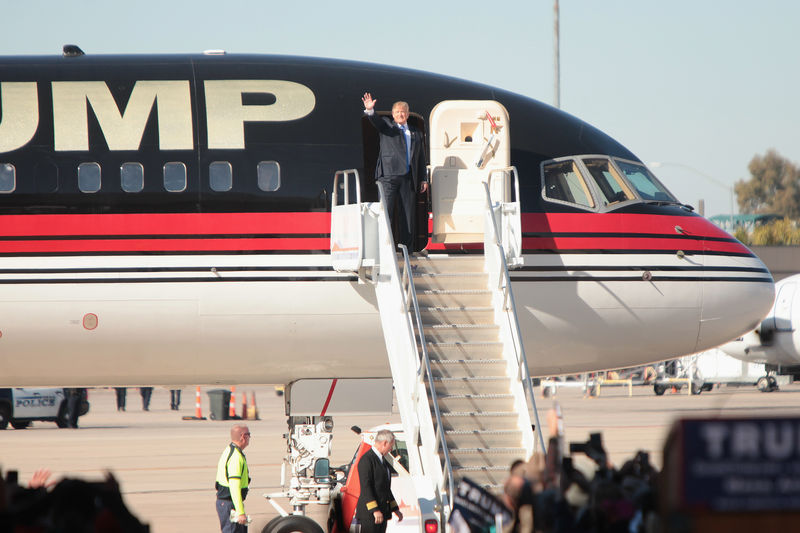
point(425, 365)
point(397, 290)
point(495, 256)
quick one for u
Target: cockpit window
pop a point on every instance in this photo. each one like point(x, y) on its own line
point(645, 183)
point(600, 182)
point(611, 186)
point(563, 183)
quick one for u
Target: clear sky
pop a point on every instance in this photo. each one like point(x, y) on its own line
point(700, 86)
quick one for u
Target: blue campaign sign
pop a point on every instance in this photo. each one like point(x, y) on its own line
point(475, 509)
point(748, 464)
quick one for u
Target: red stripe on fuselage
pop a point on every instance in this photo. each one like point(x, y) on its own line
point(162, 245)
point(203, 232)
point(691, 226)
point(164, 224)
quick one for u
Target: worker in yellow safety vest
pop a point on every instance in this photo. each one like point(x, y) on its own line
point(233, 479)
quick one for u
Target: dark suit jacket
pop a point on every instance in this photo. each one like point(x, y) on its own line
point(392, 156)
point(376, 487)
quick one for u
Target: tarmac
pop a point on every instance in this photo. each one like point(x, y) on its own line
point(166, 465)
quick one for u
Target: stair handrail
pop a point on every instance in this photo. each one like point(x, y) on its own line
point(389, 262)
point(426, 364)
point(345, 174)
point(492, 238)
point(514, 249)
point(347, 237)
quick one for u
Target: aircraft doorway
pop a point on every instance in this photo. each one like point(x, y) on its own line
point(469, 142)
point(370, 189)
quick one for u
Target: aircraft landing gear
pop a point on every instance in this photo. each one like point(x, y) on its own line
point(767, 383)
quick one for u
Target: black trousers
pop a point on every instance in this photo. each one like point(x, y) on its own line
point(401, 188)
point(175, 399)
point(146, 392)
point(121, 395)
point(368, 524)
point(74, 406)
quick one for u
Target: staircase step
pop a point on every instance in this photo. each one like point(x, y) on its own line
point(450, 280)
point(486, 420)
point(480, 385)
point(464, 350)
point(467, 439)
point(475, 403)
point(454, 297)
point(491, 478)
point(466, 457)
point(442, 264)
point(468, 368)
point(461, 332)
point(457, 315)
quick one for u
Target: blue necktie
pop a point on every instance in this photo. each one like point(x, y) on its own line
point(407, 139)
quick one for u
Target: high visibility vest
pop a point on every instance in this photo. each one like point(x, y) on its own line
point(233, 477)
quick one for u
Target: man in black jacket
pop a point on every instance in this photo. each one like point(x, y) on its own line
point(376, 502)
point(401, 164)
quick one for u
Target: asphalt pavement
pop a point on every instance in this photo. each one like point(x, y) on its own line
point(166, 465)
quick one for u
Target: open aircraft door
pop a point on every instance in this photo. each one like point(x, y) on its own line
point(469, 145)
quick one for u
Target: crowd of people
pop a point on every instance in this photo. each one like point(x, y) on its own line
point(557, 496)
point(44, 506)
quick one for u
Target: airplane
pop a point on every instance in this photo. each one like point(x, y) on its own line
point(165, 220)
point(776, 341)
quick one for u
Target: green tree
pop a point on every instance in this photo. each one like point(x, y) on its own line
point(773, 188)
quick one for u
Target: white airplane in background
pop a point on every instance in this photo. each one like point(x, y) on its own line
point(776, 342)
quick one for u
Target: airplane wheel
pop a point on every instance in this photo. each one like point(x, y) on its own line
point(659, 389)
point(293, 524)
point(272, 523)
point(763, 384)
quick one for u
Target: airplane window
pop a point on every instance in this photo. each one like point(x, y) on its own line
point(131, 177)
point(8, 178)
point(611, 186)
point(220, 176)
point(401, 450)
point(269, 176)
point(89, 177)
point(646, 184)
point(564, 183)
point(175, 177)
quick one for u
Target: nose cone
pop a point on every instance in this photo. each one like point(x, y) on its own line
point(738, 292)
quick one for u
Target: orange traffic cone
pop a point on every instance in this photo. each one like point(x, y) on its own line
point(244, 405)
point(252, 410)
point(232, 405)
point(198, 409)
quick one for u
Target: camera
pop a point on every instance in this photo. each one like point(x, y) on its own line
point(593, 448)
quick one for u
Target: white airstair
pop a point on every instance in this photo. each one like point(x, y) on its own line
point(461, 378)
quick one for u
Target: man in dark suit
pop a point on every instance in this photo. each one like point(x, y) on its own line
point(401, 164)
point(375, 501)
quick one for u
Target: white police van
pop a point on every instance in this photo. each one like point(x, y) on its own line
point(21, 406)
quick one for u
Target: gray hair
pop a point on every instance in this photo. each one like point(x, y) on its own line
point(401, 104)
point(384, 435)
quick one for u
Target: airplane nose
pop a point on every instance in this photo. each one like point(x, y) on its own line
point(737, 292)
